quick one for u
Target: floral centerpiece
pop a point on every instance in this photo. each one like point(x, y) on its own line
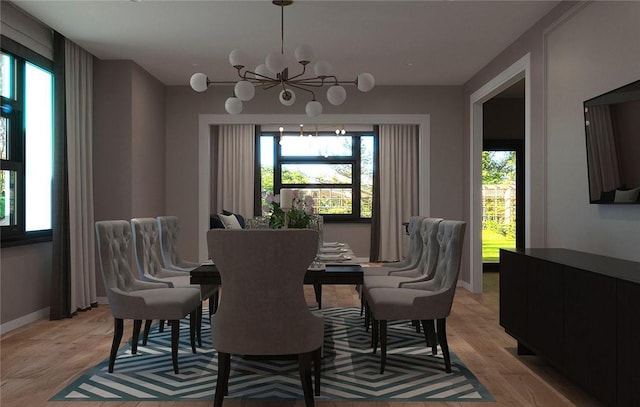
point(298, 217)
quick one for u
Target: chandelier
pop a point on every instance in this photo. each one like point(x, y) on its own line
point(275, 74)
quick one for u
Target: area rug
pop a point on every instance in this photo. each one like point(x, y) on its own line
point(350, 372)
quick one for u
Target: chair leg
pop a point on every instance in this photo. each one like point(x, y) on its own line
point(193, 320)
point(383, 344)
point(367, 316)
point(216, 300)
point(118, 329)
point(222, 382)
point(430, 335)
point(137, 323)
point(147, 328)
point(442, 338)
point(199, 324)
point(161, 326)
point(175, 338)
point(304, 366)
point(317, 368)
point(416, 324)
point(374, 334)
point(359, 288)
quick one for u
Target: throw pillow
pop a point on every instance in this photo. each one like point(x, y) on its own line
point(239, 217)
point(627, 196)
point(216, 223)
point(229, 221)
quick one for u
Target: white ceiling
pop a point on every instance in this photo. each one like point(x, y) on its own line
point(399, 42)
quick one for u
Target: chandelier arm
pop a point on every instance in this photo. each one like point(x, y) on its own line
point(221, 83)
point(295, 85)
point(269, 85)
point(308, 82)
point(304, 70)
point(255, 79)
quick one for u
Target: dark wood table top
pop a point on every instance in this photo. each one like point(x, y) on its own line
point(333, 274)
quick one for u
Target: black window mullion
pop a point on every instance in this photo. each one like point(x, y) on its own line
point(354, 161)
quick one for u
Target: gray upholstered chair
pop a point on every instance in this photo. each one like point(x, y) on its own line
point(423, 301)
point(426, 267)
point(169, 232)
point(413, 255)
point(424, 270)
point(130, 298)
point(263, 309)
point(145, 238)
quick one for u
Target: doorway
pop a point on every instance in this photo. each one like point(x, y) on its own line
point(502, 203)
point(519, 70)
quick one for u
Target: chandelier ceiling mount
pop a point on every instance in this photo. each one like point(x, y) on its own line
point(274, 73)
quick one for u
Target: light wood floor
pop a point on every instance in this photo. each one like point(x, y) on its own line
point(41, 359)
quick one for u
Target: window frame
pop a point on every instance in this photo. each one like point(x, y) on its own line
point(355, 160)
point(16, 235)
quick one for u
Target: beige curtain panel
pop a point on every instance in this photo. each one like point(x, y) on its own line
point(79, 112)
point(233, 163)
point(398, 172)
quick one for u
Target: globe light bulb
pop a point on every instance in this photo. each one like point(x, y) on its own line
point(287, 97)
point(366, 82)
point(244, 90)
point(275, 62)
point(313, 108)
point(336, 95)
point(198, 82)
point(233, 105)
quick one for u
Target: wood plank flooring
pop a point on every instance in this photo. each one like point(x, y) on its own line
point(39, 360)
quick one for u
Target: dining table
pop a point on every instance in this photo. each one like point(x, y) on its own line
point(332, 266)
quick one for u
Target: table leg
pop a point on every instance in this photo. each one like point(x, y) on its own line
point(317, 288)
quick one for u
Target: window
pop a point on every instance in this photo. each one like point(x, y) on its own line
point(337, 171)
point(26, 145)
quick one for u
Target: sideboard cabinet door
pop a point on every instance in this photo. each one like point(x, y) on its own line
point(628, 343)
point(513, 289)
point(590, 331)
point(544, 310)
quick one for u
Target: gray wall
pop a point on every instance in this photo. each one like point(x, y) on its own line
point(583, 63)
point(128, 144)
point(443, 104)
point(571, 62)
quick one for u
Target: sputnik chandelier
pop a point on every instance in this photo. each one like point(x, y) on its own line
point(275, 74)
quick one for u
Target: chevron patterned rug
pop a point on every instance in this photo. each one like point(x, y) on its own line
point(350, 372)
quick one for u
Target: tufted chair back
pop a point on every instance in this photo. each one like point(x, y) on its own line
point(426, 267)
point(145, 239)
point(169, 232)
point(430, 247)
point(415, 245)
point(113, 239)
point(450, 239)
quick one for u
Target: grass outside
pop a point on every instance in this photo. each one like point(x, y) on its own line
point(492, 242)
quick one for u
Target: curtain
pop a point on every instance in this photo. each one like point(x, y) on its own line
point(73, 285)
point(79, 113)
point(398, 187)
point(233, 169)
point(60, 286)
point(604, 172)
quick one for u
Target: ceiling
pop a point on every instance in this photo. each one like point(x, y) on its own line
point(399, 42)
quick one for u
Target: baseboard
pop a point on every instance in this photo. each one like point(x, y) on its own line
point(464, 285)
point(24, 320)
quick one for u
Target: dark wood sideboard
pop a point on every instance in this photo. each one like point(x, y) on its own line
point(580, 312)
